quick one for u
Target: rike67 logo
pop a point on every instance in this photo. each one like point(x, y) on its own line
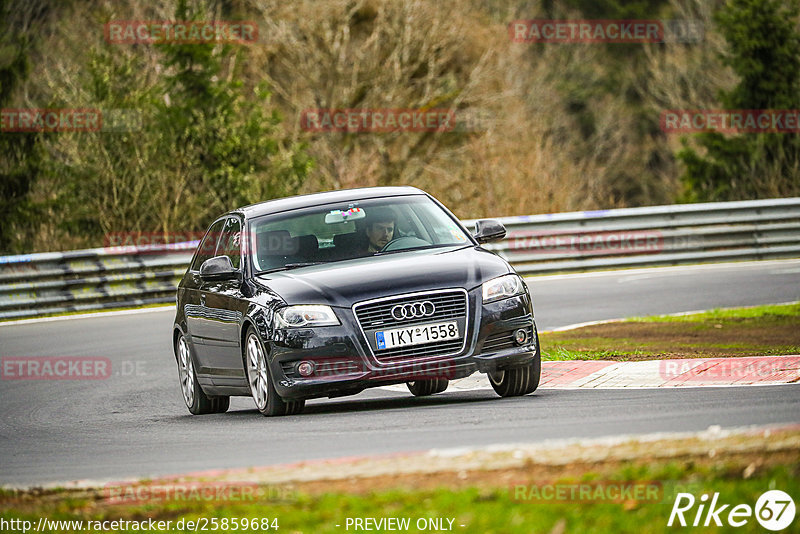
point(774, 510)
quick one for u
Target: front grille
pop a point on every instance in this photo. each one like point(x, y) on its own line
point(288, 368)
point(401, 354)
point(377, 315)
point(504, 340)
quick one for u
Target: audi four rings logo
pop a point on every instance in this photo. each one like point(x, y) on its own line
point(412, 311)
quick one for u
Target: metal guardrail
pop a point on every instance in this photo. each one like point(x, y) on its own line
point(82, 280)
point(650, 236)
point(56, 282)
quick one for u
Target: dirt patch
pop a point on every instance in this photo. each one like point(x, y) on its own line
point(739, 454)
point(735, 454)
point(735, 464)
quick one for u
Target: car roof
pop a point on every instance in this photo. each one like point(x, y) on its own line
point(317, 199)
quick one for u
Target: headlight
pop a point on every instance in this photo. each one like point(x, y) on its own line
point(299, 316)
point(503, 287)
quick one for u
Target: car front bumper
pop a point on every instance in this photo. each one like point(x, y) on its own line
point(344, 363)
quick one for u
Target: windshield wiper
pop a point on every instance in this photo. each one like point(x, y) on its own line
point(303, 264)
point(416, 248)
point(292, 266)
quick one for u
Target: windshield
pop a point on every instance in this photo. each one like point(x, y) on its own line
point(337, 232)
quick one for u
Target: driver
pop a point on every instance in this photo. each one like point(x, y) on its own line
point(380, 225)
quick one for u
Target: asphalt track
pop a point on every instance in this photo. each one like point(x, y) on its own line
point(134, 424)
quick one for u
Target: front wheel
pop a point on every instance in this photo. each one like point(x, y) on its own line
point(267, 400)
point(517, 381)
point(193, 395)
point(422, 388)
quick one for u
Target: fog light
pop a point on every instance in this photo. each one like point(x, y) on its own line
point(520, 336)
point(305, 368)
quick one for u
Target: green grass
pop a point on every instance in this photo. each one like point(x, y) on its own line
point(755, 331)
point(501, 509)
point(562, 353)
point(770, 311)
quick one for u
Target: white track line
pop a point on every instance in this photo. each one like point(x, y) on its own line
point(679, 314)
point(678, 269)
point(90, 315)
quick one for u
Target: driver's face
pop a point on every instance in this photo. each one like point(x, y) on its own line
point(379, 234)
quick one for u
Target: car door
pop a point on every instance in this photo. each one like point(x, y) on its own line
point(225, 306)
point(195, 308)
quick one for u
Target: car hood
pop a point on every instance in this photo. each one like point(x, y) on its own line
point(344, 283)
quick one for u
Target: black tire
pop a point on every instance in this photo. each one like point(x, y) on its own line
point(259, 378)
point(193, 395)
point(517, 381)
point(221, 404)
point(423, 388)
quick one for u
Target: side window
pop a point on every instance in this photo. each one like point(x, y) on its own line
point(230, 243)
point(208, 245)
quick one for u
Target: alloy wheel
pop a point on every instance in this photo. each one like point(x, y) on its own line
point(257, 372)
point(186, 371)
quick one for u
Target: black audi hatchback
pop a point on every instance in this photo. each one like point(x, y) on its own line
point(328, 294)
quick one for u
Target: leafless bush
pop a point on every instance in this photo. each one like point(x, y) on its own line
point(540, 144)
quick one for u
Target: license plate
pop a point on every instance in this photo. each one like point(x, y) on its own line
point(416, 335)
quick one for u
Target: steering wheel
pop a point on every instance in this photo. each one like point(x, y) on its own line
point(403, 242)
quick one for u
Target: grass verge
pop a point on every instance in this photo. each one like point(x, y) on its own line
point(508, 496)
point(758, 331)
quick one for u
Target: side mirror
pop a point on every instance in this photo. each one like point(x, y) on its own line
point(489, 230)
point(218, 268)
